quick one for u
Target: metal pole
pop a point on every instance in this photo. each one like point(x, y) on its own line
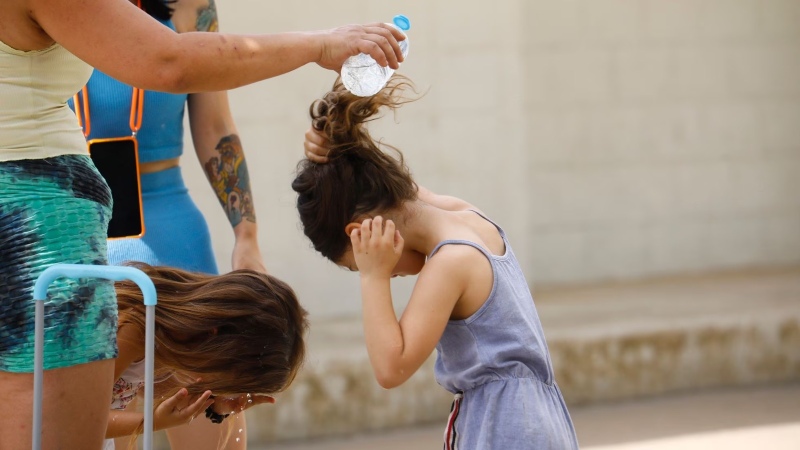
point(114, 273)
point(149, 367)
point(38, 374)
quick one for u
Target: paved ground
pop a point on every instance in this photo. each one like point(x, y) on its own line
point(766, 417)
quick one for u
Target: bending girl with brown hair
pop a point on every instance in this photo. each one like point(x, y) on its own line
point(238, 336)
point(362, 210)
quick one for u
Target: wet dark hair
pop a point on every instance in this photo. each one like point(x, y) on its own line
point(359, 179)
point(160, 9)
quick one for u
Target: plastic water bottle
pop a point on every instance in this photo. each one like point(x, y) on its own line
point(363, 76)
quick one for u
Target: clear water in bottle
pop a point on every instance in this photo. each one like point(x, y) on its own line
point(363, 76)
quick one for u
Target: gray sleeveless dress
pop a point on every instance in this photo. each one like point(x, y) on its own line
point(497, 364)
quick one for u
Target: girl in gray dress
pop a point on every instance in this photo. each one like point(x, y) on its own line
point(362, 210)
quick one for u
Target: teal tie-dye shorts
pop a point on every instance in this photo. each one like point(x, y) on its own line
point(54, 210)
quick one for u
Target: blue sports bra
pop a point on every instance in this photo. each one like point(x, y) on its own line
point(161, 135)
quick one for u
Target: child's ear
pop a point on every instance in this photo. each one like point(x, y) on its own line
point(350, 227)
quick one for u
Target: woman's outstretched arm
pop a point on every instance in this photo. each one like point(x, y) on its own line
point(121, 40)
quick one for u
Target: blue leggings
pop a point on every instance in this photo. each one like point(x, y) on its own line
point(176, 233)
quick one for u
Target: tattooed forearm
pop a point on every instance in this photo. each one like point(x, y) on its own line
point(207, 18)
point(228, 175)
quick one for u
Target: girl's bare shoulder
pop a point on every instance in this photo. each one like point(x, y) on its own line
point(446, 202)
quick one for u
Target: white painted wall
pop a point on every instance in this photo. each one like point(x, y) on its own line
point(613, 139)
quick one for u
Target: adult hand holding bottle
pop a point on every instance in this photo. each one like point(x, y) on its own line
point(379, 40)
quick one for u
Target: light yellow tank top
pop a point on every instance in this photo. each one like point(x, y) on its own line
point(35, 121)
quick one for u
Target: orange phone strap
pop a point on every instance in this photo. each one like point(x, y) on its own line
point(137, 107)
point(85, 118)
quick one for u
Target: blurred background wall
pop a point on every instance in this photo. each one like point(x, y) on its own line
point(613, 139)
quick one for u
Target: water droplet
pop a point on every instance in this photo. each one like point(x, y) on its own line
point(237, 439)
point(240, 430)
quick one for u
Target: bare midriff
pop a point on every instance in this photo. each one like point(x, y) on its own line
point(158, 166)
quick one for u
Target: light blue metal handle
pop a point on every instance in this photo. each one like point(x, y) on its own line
point(114, 273)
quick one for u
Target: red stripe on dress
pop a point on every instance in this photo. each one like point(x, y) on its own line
point(450, 435)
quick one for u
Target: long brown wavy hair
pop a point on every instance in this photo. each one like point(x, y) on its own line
point(244, 327)
point(359, 179)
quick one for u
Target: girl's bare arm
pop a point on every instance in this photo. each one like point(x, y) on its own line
point(398, 348)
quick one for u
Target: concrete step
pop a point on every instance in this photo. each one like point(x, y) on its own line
point(607, 342)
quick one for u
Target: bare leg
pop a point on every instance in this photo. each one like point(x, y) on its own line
point(202, 434)
point(74, 411)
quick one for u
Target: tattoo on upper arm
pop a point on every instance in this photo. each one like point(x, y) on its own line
point(207, 18)
point(228, 176)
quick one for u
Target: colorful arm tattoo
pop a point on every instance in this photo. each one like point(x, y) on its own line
point(207, 18)
point(228, 176)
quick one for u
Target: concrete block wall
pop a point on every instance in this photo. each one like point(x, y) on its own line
point(661, 137)
point(613, 139)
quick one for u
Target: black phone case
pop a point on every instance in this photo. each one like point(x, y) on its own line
point(117, 162)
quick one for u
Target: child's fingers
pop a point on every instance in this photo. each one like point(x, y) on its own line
point(377, 227)
point(202, 408)
point(172, 402)
point(398, 241)
point(260, 398)
point(366, 232)
point(200, 400)
point(198, 405)
point(316, 146)
point(317, 137)
point(388, 231)
point(355, 239)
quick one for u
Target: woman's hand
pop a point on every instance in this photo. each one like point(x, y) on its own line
point(377, 40)
point(316, 146)
point(180, 409)
point(376, 247)
point(233, 405)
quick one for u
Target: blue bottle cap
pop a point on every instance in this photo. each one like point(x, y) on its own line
point(402, 22)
